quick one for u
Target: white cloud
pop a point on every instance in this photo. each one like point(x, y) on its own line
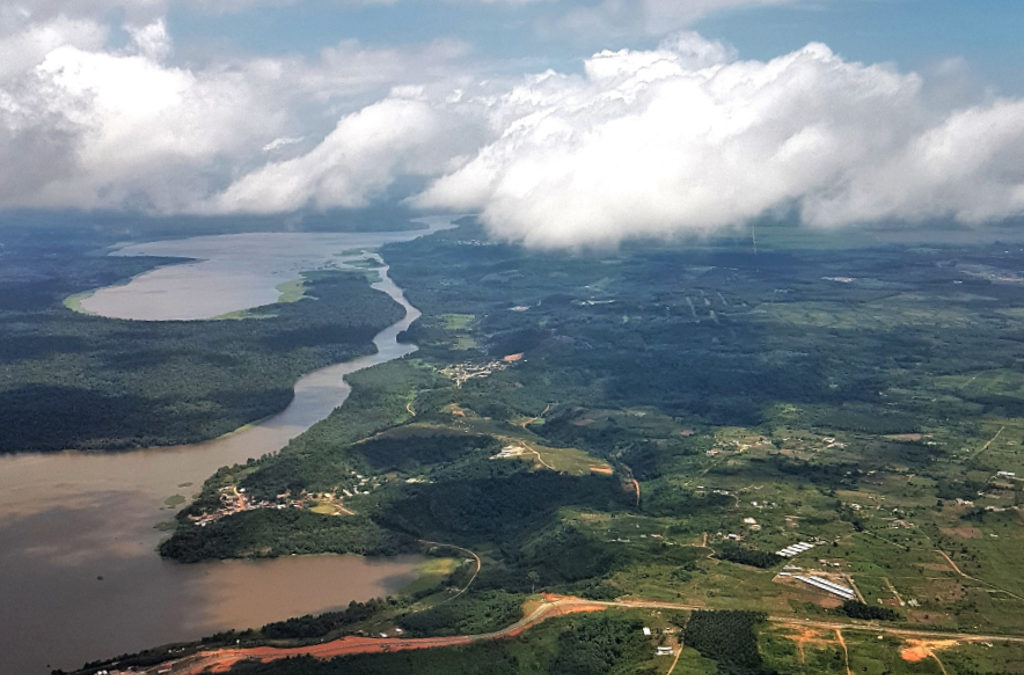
point(151, 40)
point(123, 129)
point(683, 138)
point(355, 163)
point(686, 139)
point(92, 125)
point(24, 49)
point(20, 15)
point(352, 67)
point(967, 167)
point(281, 142)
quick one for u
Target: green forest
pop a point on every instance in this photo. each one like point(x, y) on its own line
point(652, 424)
point(69, 380)
point(585, 645)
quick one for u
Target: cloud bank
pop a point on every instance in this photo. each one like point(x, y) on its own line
point(84, 124)
point(356, 162)
point(684, 138)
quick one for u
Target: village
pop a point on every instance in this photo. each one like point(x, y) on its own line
point(234, 499)
point(460, 373)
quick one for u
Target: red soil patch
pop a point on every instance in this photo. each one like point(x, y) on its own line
point(919, 650)
point(914, 654)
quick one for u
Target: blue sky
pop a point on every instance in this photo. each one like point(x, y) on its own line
point(559, 122)
point(917, 34)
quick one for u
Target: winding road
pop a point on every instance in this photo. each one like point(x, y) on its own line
point(221, 660)
point(476, 558)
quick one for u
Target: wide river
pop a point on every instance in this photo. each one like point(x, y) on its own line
point(79, 575)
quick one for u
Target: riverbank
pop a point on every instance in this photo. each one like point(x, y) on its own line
point(79, 538)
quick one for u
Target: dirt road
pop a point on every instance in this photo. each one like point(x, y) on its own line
point(221, 660)
point(952, 564)
point(980, 581)
point(476, 558)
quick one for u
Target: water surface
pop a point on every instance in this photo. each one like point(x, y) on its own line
point(230, 272)
point(79, 576)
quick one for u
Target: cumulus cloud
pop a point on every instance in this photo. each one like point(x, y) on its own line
point(966, 167)
point(125, 130)
point(356, 162)
point(151, 40)
point(688, 139)
point(22, 50)
point(683, 138)
point(92, 124)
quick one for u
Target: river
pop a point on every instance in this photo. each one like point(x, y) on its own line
point(230, 272)
point(79, 576)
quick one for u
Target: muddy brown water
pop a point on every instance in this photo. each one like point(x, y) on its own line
point(79, 576)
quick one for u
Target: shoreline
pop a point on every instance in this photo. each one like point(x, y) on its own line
point(136, 483)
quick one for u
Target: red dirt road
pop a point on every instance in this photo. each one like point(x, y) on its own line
point(221, 660)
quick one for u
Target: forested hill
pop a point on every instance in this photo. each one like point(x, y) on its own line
point(73, 381)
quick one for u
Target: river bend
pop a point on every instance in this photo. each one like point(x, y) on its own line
point(79, 576)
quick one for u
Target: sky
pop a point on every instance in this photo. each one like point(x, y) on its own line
point(562, 123)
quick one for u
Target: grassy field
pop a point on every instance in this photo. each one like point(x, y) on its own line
point(431, 574)
point(291, 291)
point(457, 322)
point(74, 302)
